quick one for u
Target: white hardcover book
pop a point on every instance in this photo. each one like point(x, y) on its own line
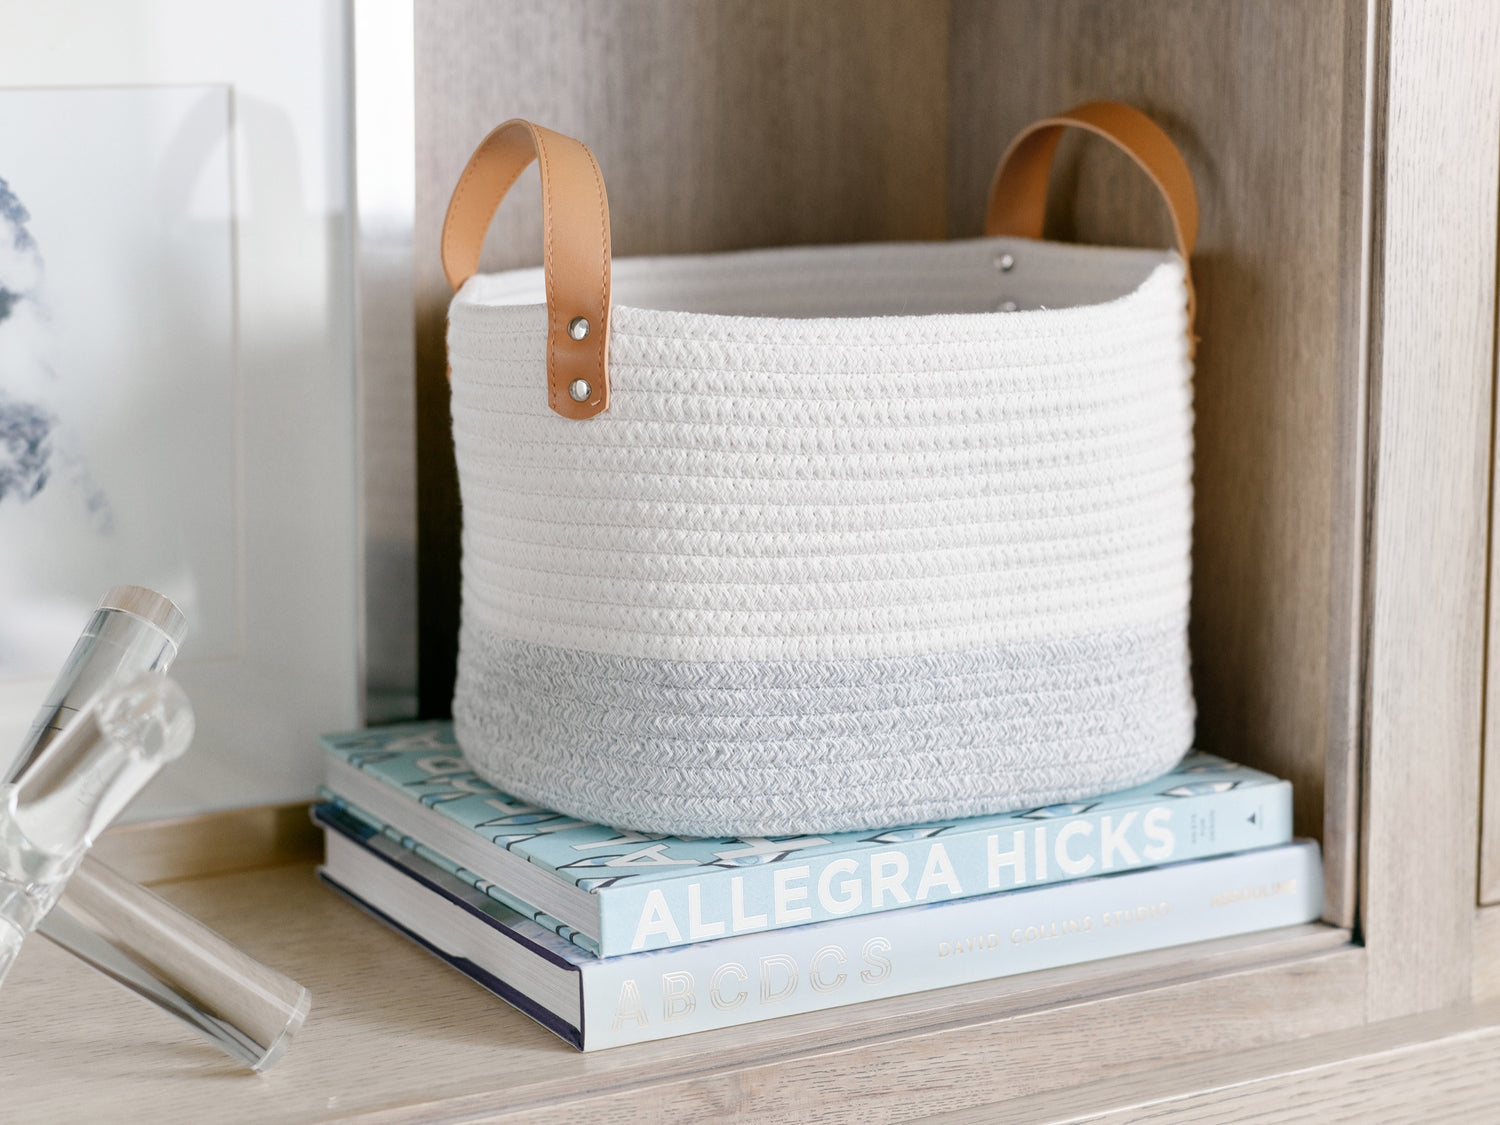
point(596, 1002)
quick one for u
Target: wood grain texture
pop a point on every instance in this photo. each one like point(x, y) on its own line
point(1489, 833)
point(1431, 1068)
point(211, 844)
point(1485, 976)
point(1489, 838)
point(396, 1036)
point(1258, 98)
point(1348, 543)
point(717, 126)
point(1437, 167)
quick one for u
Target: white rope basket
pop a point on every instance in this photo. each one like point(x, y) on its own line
point(818, 539)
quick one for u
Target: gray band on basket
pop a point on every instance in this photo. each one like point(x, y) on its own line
point(748, 747)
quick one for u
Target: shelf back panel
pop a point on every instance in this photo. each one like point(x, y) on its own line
point(772, 122)
point(1257, 98)
point(718, 126)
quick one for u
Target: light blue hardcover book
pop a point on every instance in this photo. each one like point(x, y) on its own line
point(617, 892)
point(596, 1002)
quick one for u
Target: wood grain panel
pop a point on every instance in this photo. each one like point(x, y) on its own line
point(213, 843)
point(1255, 95)
point(1486, 964)
point(397, 1036)
point(1489, 838)
point(1433, 294)
point(717, 125)
point(1429, 1068)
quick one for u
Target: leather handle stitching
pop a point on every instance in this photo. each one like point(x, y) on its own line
point(450, 233)
point(554, 315)
point(603, 343)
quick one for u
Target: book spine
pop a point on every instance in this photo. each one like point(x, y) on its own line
point(512, 996)
point(725, 901)
point(723, 984)
point(333, 810)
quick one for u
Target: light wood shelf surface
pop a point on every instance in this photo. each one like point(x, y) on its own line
point(395, 1035)
point(1436, 1067)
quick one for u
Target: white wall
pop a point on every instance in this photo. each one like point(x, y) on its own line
point(294, 671)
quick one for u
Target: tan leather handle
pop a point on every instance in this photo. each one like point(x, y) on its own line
point(1018, 194)
point(575, 218)
point(575, 253)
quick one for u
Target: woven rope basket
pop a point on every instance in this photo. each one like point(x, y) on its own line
point(808, 540)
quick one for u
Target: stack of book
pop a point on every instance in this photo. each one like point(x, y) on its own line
point(609, 937)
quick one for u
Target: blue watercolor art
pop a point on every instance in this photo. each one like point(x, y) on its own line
point(25, 427)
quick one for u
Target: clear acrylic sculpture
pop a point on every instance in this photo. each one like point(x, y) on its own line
point(111, 722)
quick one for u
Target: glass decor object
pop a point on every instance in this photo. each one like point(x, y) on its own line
point(72, 790)
point(110, 722)
point(132, 630)
point(247, 1009)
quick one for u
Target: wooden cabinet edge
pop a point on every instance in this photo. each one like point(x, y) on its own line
point(875, 1074)
point(1420, 1068)
point(930, 1052)
point(1486, 954)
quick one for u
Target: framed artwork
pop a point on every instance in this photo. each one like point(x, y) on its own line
point(117, 434)
point(177, 389)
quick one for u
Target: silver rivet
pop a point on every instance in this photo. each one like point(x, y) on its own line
point(1007, 306)
point(579, 390)
point(1005, 262)
point(578, 328)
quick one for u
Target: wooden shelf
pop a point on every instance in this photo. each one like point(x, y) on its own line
point(1344, 563)
point(395, 1035)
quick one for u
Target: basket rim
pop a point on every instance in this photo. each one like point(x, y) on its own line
point(513, 296)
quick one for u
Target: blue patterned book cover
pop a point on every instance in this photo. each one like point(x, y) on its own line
point(618, 892)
